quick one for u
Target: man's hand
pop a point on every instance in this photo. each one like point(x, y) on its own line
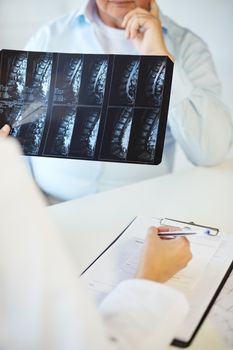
point(162, 258)
point(5, 131)
point(144, 28)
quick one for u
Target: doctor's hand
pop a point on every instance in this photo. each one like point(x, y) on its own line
point(5, 131)
point(145, 29)
point(162, 258)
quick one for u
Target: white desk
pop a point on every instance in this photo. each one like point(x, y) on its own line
point(203, 195)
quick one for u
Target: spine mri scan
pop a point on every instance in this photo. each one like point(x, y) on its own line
point(100, 107)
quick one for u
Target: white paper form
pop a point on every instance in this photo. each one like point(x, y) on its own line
point(212, 256)
point(120, 261)
point(203, 248)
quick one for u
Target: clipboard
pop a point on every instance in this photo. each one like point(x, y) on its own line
point(214, 232)
point(211, 281)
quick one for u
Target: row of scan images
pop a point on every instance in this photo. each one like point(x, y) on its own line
point(129, 134)
point(99, 107)
point(82, 79)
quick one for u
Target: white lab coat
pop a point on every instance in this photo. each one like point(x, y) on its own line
point(43, 304)
point(198, 120)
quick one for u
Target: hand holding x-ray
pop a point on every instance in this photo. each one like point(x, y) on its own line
point(5, 131)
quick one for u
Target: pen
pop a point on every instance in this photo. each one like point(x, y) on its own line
point(177, 233)
point(182, 233)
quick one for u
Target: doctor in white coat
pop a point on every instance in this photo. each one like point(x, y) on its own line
point(43, 305)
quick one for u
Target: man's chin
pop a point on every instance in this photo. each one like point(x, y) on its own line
point(115, 11)
point(122, 5)
point(120, 9)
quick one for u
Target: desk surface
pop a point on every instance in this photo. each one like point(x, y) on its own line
point(203, 195)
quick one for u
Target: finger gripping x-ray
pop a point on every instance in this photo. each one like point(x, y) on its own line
point(81, 106)
point(10, 114)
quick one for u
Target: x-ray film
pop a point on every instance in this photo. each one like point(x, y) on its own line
point(83, 106)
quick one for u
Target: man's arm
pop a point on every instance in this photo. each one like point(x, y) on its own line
point(199, 121)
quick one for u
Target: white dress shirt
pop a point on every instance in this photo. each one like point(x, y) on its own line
point(198, 120)
point(44, 306)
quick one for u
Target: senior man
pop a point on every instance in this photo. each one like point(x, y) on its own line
point(197, 120)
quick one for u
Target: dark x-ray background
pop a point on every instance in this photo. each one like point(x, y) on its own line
point(95, 107)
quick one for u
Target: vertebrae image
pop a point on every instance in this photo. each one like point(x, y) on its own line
point(147, 136)
point(15, 78)
point(34, 132)
point(84, 106)
point(129, 80)
point(69, 79)
point(89, 132)
point(125, 79)
point(154, 84)
point(39, 86)
point(121, 133)
point(63, 133)
point(96, 86)
point(88, 121)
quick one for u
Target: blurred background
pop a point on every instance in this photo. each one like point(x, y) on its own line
point(210, 19)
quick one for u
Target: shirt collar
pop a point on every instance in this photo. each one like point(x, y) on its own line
point(85, 15)
point(164, 23)
point(85, 12)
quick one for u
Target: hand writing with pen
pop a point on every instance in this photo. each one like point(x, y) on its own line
point(161, 256)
